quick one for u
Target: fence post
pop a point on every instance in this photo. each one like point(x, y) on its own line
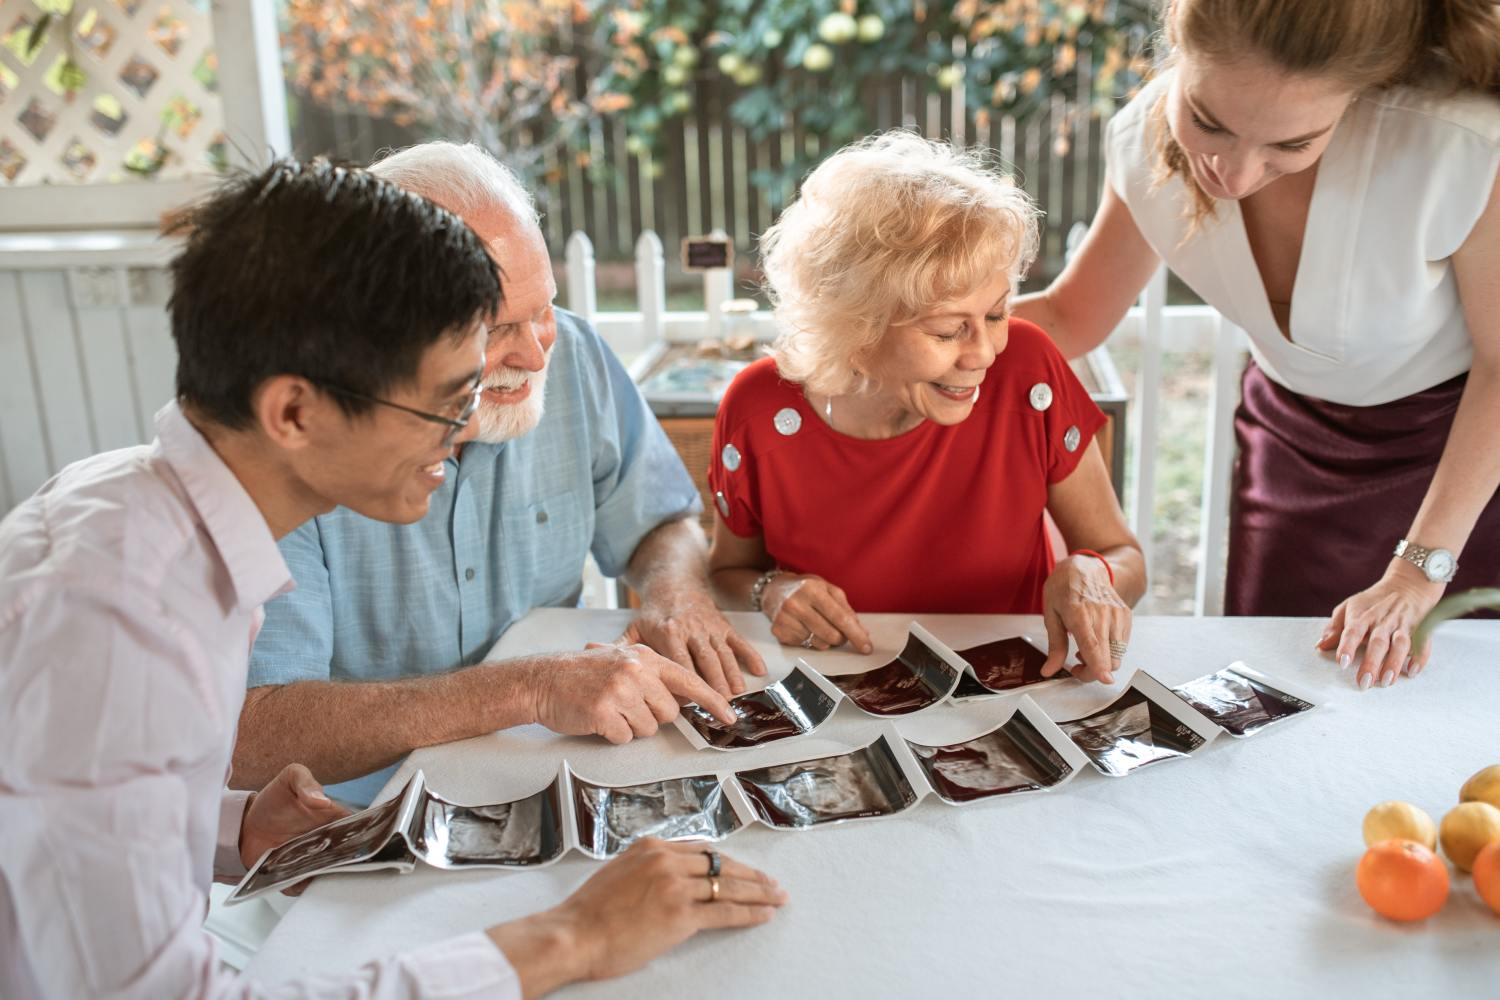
point(718, 288)
point(651, 286)
point(1218, 468)
point(582, 296)
point(251, 82)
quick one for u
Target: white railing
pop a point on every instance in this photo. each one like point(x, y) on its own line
point(86, 359)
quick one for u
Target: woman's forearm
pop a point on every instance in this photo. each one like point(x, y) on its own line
point(1468, 474)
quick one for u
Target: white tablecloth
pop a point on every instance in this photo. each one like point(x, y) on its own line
point(1228, 874)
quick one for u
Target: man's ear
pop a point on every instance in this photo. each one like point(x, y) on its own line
point(288, 408)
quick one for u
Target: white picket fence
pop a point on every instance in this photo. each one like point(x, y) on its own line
point(86, 359)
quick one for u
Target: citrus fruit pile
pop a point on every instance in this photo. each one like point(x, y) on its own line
point(1401, 875)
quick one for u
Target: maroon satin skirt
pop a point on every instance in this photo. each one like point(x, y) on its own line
point(1323, 492)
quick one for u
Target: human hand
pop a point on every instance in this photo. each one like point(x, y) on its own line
point(1078, 600)
point(289, 806)
point(809, 611)
point(1382, 619)
point(616, 690)
point(643, 903)
point(691, 631)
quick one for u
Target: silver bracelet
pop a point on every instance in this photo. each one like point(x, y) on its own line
point(758, 588)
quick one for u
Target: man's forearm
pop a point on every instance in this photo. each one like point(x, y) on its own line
point(346, 729)
point(670, 561)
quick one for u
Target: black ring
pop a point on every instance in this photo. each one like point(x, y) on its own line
point(713, 863)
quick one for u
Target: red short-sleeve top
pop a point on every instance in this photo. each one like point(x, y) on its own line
point(936, 520)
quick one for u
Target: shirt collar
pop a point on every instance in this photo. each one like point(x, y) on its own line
point(236, 525)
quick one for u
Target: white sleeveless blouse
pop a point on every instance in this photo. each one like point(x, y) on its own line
point(1375, 313)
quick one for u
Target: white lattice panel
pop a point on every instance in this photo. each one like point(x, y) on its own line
point(150, 97)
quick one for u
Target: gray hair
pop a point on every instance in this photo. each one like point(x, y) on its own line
point(465, 179)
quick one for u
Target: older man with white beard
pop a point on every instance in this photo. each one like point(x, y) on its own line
point(407, 613)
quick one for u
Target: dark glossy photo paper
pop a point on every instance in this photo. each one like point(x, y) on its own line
point(1015, 757)
point(922, 675)
point(865, 783)
point(1241, 701)
point(1002, 666)
point(1146, 725)
point(793, 706)
point(516, 834)
point(610, 818)
point(352, 840)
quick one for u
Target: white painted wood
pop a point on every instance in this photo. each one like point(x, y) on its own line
point(718, 288)
point(23, 443)
point(1146, 420)
point(66, 409)
point(148, 333)
point(250, 81)
point(651, 286)
point(1218, 469)
point(45, 194)
point(86, 248)
point(105, 362)
point(583, 297)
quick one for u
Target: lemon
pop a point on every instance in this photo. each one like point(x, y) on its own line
point(1399, 820)
point(1467, 829)
point(1483, 787)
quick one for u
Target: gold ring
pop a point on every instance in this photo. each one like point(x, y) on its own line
point(713, 889)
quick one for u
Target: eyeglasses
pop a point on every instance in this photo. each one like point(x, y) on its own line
point(454, 424)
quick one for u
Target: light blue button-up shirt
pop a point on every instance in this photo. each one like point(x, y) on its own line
point(507, 531)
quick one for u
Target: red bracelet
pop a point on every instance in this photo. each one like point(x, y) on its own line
point(1107, 567)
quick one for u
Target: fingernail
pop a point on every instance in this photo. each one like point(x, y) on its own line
point(317, 795)
point(1417, 668)
point(867, 648)
point(1344, 661)
point(1388, 678)
point(1365, 680)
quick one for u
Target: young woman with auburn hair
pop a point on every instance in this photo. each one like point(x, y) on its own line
point(1324, 174)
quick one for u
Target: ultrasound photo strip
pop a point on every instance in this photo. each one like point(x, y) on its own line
point(570, 813)
point(1145, 725)
point(1027, 752)
point(1242, 701)
point(925, 673)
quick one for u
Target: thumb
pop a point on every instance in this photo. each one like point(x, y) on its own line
point(1057, 644)
point(305, 786)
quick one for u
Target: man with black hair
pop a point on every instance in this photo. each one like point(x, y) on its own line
point(383, 647)
point(330, 335)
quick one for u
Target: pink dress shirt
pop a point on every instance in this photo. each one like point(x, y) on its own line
point(130, 592)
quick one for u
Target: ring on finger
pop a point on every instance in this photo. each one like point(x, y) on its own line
point(1117, 649)
point(713, 889)
point(714, 863)
point(808, 642)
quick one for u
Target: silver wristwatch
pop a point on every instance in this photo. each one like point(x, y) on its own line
point(1438, 564)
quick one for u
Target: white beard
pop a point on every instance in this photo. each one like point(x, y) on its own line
point(503, 422)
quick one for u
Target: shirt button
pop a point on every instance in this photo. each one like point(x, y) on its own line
point(541, 517)
point(731, 457)
point(469, 573)
point(1072, 439)
point(788, 421)
point(1040, 396)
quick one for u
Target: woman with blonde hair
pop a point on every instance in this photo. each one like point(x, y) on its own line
point(898, 450)
point(1325, 175)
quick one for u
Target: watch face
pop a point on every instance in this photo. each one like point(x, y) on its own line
point(1439, 565)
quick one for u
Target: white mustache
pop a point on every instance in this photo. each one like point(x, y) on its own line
point(510, 381)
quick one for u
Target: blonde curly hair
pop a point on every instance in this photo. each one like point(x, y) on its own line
point(883, 231)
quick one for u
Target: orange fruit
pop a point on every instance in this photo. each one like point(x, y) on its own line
point(1402, 880)
point(1487, 875)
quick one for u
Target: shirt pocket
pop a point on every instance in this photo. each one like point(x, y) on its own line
point(543, 546)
